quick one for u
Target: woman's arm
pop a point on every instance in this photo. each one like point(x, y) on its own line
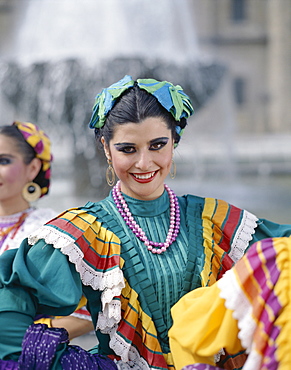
point(74, 326)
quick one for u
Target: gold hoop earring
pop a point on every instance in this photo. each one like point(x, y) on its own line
point(31, 191)
point(110, 174)
point(173, 170)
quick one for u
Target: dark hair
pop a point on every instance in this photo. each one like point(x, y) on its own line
point(135, 105)
point(26, 150)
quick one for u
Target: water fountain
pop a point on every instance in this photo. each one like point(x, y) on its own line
point(64, 52)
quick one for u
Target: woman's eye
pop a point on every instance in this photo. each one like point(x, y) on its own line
point(127, 149)
point(157, 146)
point(4, 161)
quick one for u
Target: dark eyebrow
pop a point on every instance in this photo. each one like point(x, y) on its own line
point(157, 140)
point(6, 155)
point(119, 145)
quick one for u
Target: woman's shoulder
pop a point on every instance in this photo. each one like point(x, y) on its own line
point(79, 233)
point(84, 235)
point(91, 211)
point(191, 201)
point(35, 219)
point(41, 214)
point(87, 222)
point(89, 208)
point(192, 198)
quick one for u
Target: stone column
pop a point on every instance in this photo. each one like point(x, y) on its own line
point(12, 14)
point(279, 13)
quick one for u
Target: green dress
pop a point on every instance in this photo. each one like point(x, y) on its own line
point(130, 291)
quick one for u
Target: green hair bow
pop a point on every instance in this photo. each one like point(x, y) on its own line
point(171, 97)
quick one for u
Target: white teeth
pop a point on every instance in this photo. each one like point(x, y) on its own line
point(144, 177)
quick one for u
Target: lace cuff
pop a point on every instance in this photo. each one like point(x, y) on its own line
point(243, 236)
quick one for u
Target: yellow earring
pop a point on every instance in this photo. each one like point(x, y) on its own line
point(31, 191)
point(110, 174)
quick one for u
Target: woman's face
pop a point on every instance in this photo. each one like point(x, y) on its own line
point(141, 156)
point(14, 173)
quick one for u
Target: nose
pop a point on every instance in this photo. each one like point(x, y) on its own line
point(144, 161)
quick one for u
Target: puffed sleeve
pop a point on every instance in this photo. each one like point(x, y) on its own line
point(71, 255)
point(202, 327)
point(248, 308)
point(32, 280)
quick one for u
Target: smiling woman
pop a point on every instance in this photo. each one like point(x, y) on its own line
point(25, 162)
point(134, 254)
point(25, 159)
point(141, 154)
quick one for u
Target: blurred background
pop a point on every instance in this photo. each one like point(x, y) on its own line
point(233, 57)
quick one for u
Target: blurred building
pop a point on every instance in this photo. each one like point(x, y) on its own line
point(11, 15)
point(252, 37)
point(232, 146)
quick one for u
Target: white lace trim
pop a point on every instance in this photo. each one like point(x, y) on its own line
point(236, 301)
point(132, 366)
point(243, 236)
point(218, 355)
point(109, 317)
point(130, 358)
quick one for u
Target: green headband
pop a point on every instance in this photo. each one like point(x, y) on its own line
point(171, 97)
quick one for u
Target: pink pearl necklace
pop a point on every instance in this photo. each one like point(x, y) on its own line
point(138, 231)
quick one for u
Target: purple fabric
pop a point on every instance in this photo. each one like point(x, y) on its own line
point(201, 367)
point(8, 365)
point(77, 358)
point(39, 347)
